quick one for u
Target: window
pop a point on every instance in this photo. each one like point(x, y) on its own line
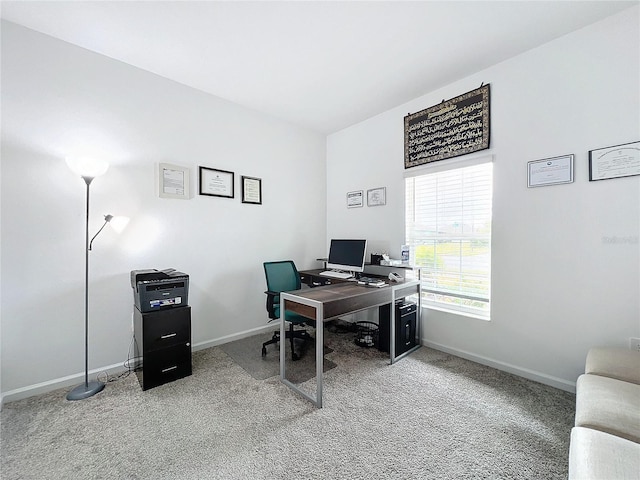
point(448, 229)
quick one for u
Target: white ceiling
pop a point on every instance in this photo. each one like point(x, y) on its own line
point(322, 65)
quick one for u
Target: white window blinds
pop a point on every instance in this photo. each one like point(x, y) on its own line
point(448, 228)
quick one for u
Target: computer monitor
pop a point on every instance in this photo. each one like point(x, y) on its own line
point(347, 255)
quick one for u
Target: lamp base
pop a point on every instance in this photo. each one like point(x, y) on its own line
point(85, 390)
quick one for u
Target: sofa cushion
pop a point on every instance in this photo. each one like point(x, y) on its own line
point(608, 405)
point(598, 455)
point(614, 362)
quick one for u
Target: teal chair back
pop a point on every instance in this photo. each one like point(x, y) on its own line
point(281, 277)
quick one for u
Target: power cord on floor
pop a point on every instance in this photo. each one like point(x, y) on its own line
point(131, 364)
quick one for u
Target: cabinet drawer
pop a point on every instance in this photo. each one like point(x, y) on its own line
point(165, 365)
point(166, 328)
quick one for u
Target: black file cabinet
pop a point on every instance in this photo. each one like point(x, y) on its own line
point(406, 316)
point(163, 342)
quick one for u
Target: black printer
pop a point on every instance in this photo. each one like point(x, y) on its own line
point(159, 289)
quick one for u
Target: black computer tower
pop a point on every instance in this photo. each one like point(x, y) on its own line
point(406, 317)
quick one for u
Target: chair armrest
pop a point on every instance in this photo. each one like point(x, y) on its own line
point(273, 298)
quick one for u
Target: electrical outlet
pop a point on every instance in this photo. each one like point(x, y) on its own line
point(634, 344)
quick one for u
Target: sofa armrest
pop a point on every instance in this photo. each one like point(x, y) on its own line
point(614, 362)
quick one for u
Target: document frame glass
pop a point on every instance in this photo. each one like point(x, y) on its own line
point(614, 162)
point(251, 190)
point(550, 171)
point(216, 183)
point(173, 181)
point(355, 199)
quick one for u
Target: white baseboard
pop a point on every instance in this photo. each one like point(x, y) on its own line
point(236, 336)
point(55, 384)
point(72, 380)
point(506, 367)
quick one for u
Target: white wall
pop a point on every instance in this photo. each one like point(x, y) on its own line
point(57, 98)
point(559, 285)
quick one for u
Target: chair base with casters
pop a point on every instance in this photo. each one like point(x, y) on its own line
point(283, 276)
point(290, 334)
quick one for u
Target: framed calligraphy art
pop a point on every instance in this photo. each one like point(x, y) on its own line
point(452, 128)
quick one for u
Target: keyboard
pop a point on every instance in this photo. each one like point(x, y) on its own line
point(332, 274)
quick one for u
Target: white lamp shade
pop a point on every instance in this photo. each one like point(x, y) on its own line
point(87, 167)
point(119, 223)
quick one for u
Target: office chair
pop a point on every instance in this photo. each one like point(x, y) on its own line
point(283, 277)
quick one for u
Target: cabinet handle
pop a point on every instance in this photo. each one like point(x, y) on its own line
point(169, 369)
point(168, 335)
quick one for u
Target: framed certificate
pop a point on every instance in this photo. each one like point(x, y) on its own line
point(173, 181)
point(550, 171)
point(355, 199)
point(376, 197)
point(252, 190)
point(614, 162)
point(216, 183)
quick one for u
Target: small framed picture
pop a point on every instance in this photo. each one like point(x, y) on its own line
point(173, 181)
point(216, 183)
point(614, 162)
point(550, 171)
point(377, 196)
point(251, 190)
point(355, 199)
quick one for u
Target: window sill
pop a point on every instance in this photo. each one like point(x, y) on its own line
point(453, 311)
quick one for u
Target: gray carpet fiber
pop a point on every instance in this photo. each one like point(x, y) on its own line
point(247, 353)
point(430, 416)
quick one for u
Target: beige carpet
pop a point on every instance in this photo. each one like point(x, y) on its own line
point(430, 416)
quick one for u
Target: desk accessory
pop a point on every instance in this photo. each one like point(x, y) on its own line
point(375, 258)
point(394, 277)
point(88, 169)
point(371, 282)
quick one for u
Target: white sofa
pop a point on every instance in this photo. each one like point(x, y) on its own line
point(605, 442)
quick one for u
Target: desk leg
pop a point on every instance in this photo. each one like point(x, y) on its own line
point(283, 341)
point(319, 355)
point(392, 327)
point(317, 399)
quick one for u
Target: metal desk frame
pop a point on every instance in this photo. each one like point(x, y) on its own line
point(342, 299)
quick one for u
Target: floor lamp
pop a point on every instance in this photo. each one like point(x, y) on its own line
point(88, 169)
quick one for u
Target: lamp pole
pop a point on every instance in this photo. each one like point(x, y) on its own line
point(87, 389)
